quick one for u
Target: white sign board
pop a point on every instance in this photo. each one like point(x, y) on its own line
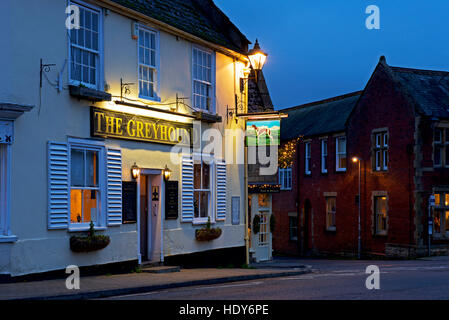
point(6, 132)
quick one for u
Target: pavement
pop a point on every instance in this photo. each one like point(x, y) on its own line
point(94, 287)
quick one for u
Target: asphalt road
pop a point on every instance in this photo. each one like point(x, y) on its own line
point(331, 279)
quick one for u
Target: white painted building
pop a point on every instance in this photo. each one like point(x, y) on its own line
point(70, 132)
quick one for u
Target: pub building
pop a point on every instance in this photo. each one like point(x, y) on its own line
point(90, 112)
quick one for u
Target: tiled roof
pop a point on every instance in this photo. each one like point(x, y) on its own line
point(321, 117)
point(201, 18)
point(429, 89)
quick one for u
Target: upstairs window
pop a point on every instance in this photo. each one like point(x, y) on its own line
point(203, 79)
point(380, 151)
point(285, 178)
point(308, 157)
point(85, 49)
point(340, 152)
point(148, 62)
point(441, 213)
point(441, 147)
point(324, 156)
point(202, 190)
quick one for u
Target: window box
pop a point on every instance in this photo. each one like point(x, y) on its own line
point(207, 233)
point(207, 117)
point(90, 94)
point(91, 242)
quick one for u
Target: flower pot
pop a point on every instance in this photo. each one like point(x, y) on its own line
point(207, 234)
point(88, 244)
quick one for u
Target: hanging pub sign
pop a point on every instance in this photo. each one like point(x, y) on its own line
point(120, 125)
point(263, 132)
point(6, 132)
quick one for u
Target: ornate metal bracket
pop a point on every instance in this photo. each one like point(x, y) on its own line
point(44, 68)
point(124, 88)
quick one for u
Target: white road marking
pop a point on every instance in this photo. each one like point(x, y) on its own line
point(231, 285)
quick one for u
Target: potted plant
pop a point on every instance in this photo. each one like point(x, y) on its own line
point(256, 224)
point(89, 243)
point(207, 233)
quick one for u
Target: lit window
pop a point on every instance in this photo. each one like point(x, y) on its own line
point(85, 187)
point(331, 208)
point(201, 183)
point(203, 80)
point(441, 213)
point(340, 153)
point(85, 49)
point(380, 207)
point(147, 63)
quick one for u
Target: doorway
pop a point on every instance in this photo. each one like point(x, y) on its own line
point(307, 228)
point(150, 226)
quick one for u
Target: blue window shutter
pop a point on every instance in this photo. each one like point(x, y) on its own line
point(187, 189)
point(58, 185)
point(114, 187)
point(221, 190)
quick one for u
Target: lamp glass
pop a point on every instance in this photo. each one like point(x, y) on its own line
point(258, 60)
point(167, 173)
point(135, 171)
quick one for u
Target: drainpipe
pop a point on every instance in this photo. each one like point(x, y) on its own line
point(246, 207)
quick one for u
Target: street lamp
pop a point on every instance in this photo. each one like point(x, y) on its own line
point(257, 58)
point(358, 160)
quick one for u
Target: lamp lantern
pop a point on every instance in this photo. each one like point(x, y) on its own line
point(167, 173)
point(135, 171)
point(257, 57)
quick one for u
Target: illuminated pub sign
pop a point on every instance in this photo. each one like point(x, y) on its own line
point(263, 132)
point(113, 124)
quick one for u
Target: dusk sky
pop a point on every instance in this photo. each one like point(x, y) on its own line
point(320, 49)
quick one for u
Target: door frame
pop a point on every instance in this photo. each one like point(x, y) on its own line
point(151, 172)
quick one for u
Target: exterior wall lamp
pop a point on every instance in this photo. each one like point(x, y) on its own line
point(135, 171)
point(257, 58)
point(167, 173)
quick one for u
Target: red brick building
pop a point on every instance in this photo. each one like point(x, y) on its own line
point(398, 129)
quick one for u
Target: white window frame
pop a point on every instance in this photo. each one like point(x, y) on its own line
point(381, 151)
point(285, 178)
point(212, 188)
point(100, 60)
point(212, 109)
point(324, 155)
point(155, 68)
point(5, 194)
point(338, 154)
point(307, 157)
point(101, 222)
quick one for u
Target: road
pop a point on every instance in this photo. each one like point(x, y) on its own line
point(331, 279)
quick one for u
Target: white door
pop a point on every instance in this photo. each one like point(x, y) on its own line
point(263, 250)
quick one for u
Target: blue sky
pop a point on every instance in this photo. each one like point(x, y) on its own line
point(320, 49)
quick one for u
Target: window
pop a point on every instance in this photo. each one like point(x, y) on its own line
point(148, 62)
point(293, 228)
point(85, 48)
point(441, 213)
point(202, 192)
point(380, 209)
point(331, 208)
point(324, 156)
point(441, 147)
point(84, 185)
point(285, 178)
point(340, 153)
point(203, 79)
point(3, 190)
point(380, 151)
point(308, 156)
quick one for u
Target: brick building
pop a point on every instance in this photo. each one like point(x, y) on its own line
point(397, 128)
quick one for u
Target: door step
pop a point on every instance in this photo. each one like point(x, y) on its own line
point(160, 269)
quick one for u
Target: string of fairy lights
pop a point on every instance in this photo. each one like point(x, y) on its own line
point(286, 153)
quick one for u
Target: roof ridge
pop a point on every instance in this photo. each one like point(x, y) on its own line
point(336, 98)
point(420, 71)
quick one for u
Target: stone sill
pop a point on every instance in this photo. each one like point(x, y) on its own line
point(89, 94)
